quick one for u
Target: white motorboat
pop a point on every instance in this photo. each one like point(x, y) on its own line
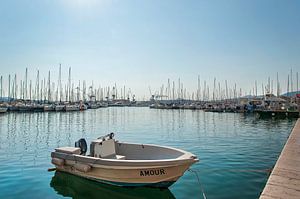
point(94, 106)
point(3, 109)
point(74, 107)
point(59, 107)
point(49, 107)
point(124, 164)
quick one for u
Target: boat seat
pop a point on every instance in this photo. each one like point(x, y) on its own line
point(68, 150)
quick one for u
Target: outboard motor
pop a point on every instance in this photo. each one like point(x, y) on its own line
point(81, 143)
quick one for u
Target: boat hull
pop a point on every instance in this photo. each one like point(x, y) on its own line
point(162, 176)
point(59, 108)
point(72, 108)
point(277, 114)
point(123, 173)
point(3, 110)
point(49, 108)
point(164, 184)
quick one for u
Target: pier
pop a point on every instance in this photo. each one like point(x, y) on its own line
point(284, 181)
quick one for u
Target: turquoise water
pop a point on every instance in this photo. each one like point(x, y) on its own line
point(234, 151)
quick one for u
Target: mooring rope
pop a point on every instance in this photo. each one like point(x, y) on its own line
point(201, 187)
point(268, 170)
point(195, 171)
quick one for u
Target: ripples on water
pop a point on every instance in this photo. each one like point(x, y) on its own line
point(228, 145)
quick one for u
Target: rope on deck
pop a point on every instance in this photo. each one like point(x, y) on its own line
point(201, 187)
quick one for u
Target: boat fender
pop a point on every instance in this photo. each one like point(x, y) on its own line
point(82, 167)
point(58, 161)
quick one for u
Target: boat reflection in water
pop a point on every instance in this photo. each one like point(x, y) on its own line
point(73, 186)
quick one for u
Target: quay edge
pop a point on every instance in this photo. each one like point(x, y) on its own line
point(284, 181)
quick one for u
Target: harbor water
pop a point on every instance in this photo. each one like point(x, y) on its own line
point(236, 151)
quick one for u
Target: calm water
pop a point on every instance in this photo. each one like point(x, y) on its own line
point(234, 151)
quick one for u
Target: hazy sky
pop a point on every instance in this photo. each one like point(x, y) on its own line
point(141, 43)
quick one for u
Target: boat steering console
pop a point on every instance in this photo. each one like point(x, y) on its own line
point(81, 143)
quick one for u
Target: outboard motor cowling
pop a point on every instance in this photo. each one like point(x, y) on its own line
point(81, 143)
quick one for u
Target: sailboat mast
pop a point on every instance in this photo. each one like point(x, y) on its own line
point(26, 73)
point(72, 93)
point(49, 87)
point(214, 89)
point(204, 91)
point(59, 83)
point(173, 91)
point(291, 80)
point(44, 90)
point(169, 90)
point(9, 86)
point(66, 92)
point(272, 87)
point(1, 88)
point(288, 86)
point(38, 85)
point(84, 91)
point(69, 86)
point(15, 91)
point(178, 89)
point(207, 93)
point(198, 89)
point(124, 93)
point(235, 93)
point(255, 88)
point(78, 88)
point(13, 88)
point(21, 89)
point(220, 97)
point(269, 85)
point(297, 81)
point(277, 85)
point(116, 91)
point(226, 89)
point(30, 90)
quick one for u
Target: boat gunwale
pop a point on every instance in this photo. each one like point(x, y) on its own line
point(184, 153)
point(185, 158)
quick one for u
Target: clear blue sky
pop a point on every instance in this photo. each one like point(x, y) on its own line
point(142, 43)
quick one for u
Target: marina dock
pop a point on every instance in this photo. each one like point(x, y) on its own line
point(284, 181)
